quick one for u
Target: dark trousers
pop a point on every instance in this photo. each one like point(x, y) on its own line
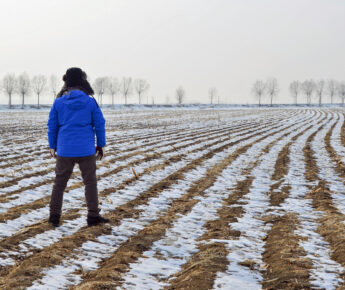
point(63, 170)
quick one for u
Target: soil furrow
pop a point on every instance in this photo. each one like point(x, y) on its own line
point(66, 245)
point(158, 228)
point(127, 182)
point(287, 266)
point(340, 168)
point(203, 266)
point(331, 223)
point(16, 211)
point(105, 162)
point(286, 262)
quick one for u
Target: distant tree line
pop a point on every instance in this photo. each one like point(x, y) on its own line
point(318, 89)
point(23, 85)
point(309, 88)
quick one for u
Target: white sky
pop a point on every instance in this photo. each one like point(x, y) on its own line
point(194, 43)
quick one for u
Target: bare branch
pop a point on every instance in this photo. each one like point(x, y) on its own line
point(341, 92)
point(23, 86)
point(331, 89)
point(113, 88)
point(126, 87)
point(141, 86)
point(272, 88)
point(319, 90)
point(38, 85)
point(295, 88)
point(308, 88)
point(9, 85)
point(212, 93)
point(53, 83)
point(180, 94)
point(258, 89)
point(100, 85)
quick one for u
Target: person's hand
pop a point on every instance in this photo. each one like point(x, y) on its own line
point(99, 153)
point(52, 152)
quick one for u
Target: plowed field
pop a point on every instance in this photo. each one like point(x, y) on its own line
point(197, 199)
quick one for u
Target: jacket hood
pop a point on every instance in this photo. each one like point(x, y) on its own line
point(76, 99)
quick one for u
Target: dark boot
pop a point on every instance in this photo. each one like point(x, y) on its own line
point(96, 220)
point(54, 219)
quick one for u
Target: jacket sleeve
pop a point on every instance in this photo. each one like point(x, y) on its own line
point(98, 122)
point(53, 127)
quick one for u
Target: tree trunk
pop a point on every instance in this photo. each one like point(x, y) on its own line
point(125, 99)
point(9, 101)
point(112, 100)
point(38, 101)
point(23, 101)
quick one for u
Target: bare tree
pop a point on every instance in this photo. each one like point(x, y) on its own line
point(308, 88)
point(38, 85)
point(272, 88)
point(53, 83)
point(180, 94)
point(9, 85)
point(295, 88)
point(258, 89)
point(126, 87)
point(319, 90)
point(100, 84)
point(331, 88)
point(212, 93)
point(341, 92)
point(23, 86)
point(113, 88)
point(141, 86)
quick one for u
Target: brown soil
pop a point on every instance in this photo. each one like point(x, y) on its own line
point(44, 259)
point(15, 212)
point(210, 259)
point(286, 264)
point(194, 273)
point(331, 227)
point(111, 269)
point(340, 168)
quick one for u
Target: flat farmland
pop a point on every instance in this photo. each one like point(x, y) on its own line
point(197, 199)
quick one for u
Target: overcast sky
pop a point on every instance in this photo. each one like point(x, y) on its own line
point(198, 44)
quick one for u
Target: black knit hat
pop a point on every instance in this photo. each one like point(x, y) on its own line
point(74, 77)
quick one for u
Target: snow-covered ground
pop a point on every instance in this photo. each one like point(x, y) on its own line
point(155, 144)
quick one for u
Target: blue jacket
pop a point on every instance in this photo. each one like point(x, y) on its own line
point(73, 121)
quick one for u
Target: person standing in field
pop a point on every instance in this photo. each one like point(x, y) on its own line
point(74, 120)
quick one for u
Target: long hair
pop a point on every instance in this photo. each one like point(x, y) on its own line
point(77, 79)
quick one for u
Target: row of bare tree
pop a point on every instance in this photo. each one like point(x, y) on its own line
point(112, 86)
point(24, 86)
point(310, 88)
point(318, 89)
point(270, 87)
